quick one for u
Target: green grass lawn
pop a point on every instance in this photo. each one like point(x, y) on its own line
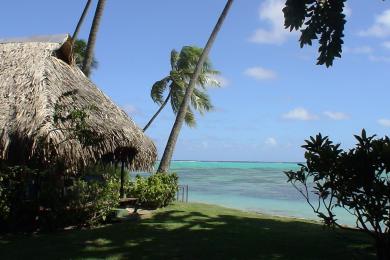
point(195, 231)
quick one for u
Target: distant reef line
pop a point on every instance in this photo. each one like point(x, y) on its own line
point(228, 161)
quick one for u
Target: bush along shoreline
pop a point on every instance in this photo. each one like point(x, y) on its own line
point(156, 191)
point(42, 200)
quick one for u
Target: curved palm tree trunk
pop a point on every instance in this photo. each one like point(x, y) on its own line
point(168, 152)
point(81, 20)
point(92, 38)
point(158, 111)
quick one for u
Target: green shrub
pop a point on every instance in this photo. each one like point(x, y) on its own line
point(158, 190)
point(15, 189)
point(356, 180)
point(4, 197)
point(93, 201)
point(31, 199)
point(88, 201)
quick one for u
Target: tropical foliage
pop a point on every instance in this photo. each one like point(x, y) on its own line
point(182, 112)
point(158, 190)
point(32, 199)
point(174, 85)
point(321, 20)
point(84, 200)
point(79, 49)
point(92, 201)
point(357, 180)
point(72, 119)
point(14, 188)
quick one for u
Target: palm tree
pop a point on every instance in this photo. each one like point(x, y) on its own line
point(182, 67)
point(81, 20)
point(168, 152)
point(79, 50)
point(92, 37)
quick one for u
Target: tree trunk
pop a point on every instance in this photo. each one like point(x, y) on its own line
point(158, 111)
point(122, 189)
point(92, 38)
point(81, 20)
point(168, 152)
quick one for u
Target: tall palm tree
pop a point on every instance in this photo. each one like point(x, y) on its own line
point(92, 37)
point(182, 67)
point(81, 20)
point(168, 152)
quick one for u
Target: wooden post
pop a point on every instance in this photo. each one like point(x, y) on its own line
point(187, 194)
point(122, 190)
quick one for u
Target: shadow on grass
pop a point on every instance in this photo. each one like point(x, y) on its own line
point(186, 232)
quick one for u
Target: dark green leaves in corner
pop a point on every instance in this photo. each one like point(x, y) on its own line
point(321, 20)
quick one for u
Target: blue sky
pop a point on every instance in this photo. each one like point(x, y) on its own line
point(273, 94)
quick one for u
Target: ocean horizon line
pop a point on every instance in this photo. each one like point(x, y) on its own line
point(234, 161)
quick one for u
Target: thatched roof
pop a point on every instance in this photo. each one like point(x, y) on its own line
point(34, 75)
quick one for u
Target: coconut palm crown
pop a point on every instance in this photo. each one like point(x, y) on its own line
point(182, 67)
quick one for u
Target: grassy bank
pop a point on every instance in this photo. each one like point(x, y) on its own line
point(195, 231)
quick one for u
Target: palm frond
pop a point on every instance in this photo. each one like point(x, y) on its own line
point(213, 82)
point(177, 97)
point(212, 72)
point(174, 59)
point(183, 66)
point(207, 80)
point(158, 88)
point(189, 57)
point(207, 66)
point(201, 102)
point(189, 118)
point(178, 79)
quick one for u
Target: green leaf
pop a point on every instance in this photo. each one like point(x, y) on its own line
point(158, 89)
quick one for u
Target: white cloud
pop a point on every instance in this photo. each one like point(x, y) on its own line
point(359, 50)
point(300, 114)
point(271, 12)
point(375, 58)
point(336, 115)
point(381, 26)
point(271, 141)
point(384, 122)
point(260, 73)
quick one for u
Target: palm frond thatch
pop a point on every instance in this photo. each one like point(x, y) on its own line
point(33, 77)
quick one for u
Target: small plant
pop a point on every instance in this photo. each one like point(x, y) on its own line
point(73, 120)
point(158, 190)
point(357, 181)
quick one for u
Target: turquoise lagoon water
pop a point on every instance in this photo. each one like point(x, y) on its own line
point(252, 186)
